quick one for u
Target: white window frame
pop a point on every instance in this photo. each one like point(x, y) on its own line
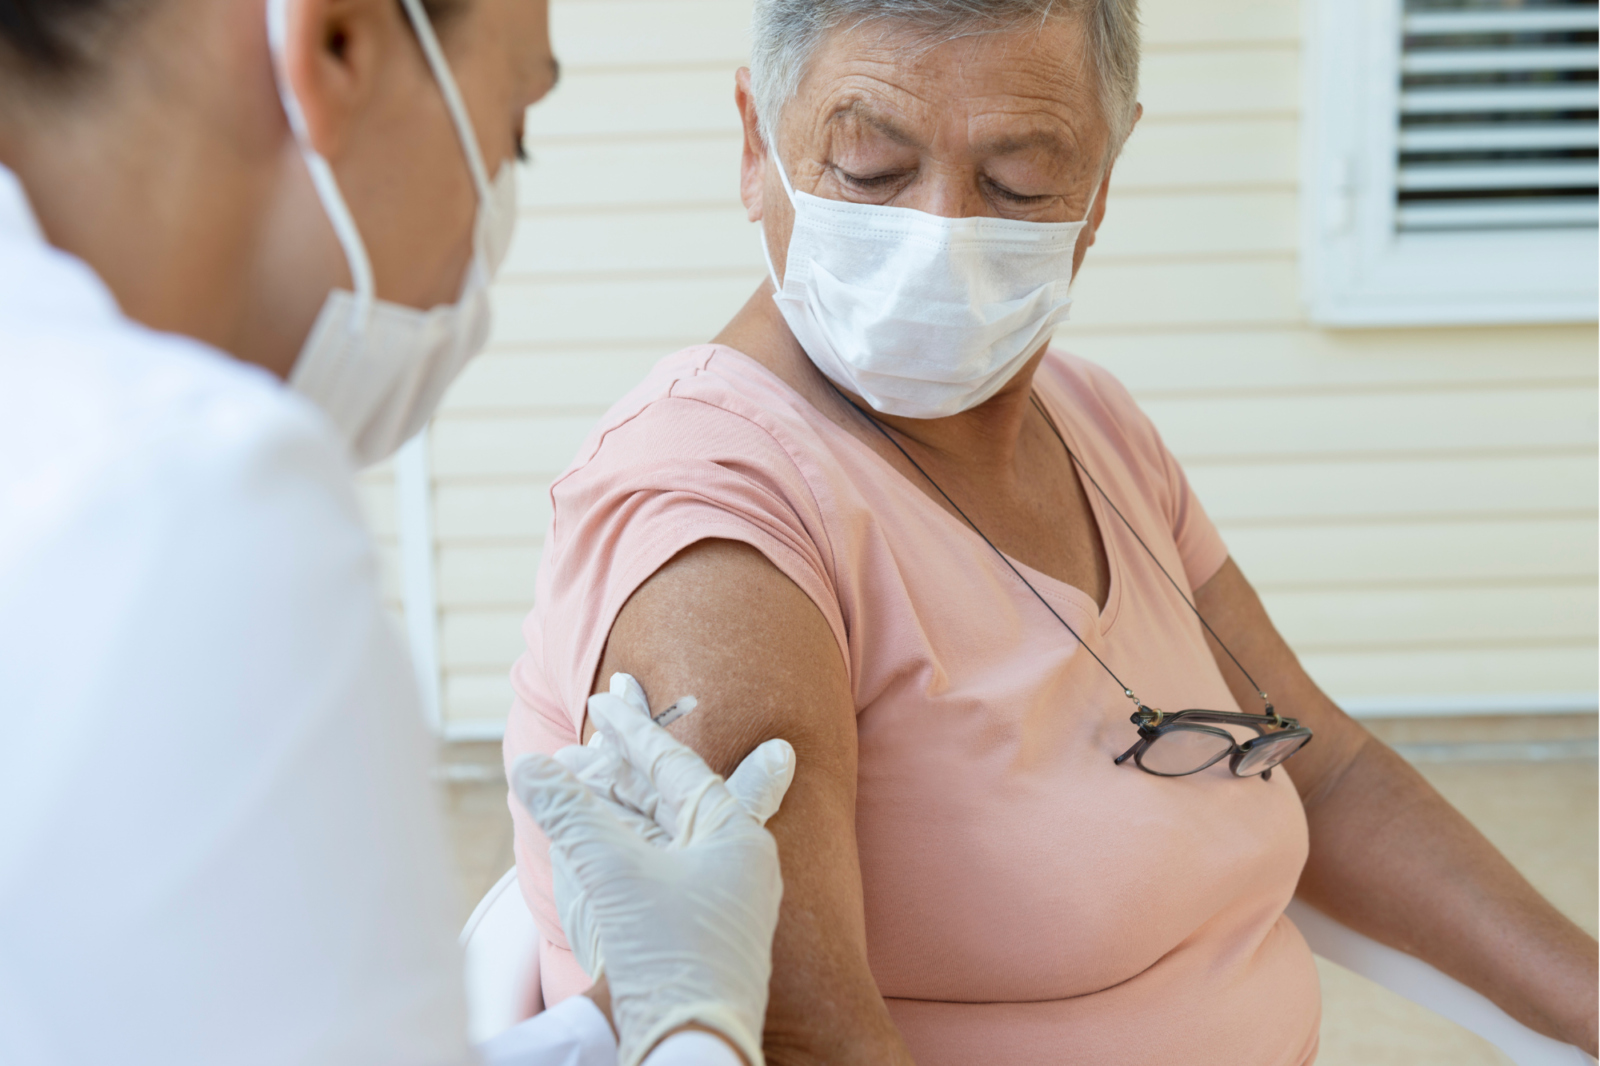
point(1357, 269)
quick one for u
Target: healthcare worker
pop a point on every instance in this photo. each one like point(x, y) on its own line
point(219, 223)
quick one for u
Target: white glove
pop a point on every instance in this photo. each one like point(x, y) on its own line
point(758, 784)
point(681, 882)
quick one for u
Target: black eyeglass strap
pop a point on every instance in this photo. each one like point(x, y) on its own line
point(1176, 587)
point(1126, 691)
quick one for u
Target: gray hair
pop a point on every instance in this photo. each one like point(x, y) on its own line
point(785, 33)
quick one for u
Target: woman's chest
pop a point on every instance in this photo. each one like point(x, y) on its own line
point(1004, 855)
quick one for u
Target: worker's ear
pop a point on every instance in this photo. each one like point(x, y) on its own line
point(333, 57)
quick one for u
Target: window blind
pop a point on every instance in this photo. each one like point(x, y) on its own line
point(1497, 116)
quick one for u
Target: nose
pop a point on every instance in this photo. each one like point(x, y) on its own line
point(946, 191)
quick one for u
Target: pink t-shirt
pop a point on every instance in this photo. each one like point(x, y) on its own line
point(1026, 900)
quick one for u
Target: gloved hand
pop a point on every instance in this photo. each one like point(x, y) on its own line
point(758, 783)
point(680, 880)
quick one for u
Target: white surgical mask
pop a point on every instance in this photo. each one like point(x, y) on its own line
point(921, 316)
point(378, 368)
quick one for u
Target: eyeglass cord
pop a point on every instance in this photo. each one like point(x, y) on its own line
point(1126, 691)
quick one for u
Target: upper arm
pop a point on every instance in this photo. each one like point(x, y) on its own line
point(722, 623)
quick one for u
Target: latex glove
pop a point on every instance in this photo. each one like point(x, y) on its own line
point(684, 901)
point(758, 784)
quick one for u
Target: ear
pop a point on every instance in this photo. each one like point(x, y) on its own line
point(753, 161)
point(331, 59)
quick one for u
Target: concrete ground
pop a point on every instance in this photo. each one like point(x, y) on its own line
point(1529, 783)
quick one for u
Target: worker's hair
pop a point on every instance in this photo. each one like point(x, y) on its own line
point(56, 39)
point(60, 41)
point(785, 33)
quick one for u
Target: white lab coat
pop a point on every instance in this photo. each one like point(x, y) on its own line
point(218, 838)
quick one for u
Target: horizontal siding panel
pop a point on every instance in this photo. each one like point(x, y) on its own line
point(567, 313)
point(594, 105)
point(518, 510)
point(718, 238)
point(511, 381)
point(1426, 618)
point(478, 697)
point(1281, 493)
point(488, 575)
point(1470, 552)
point(608, 176)
point(1209, 154)
point(1184, 23)
point(480, 640)
point(610, 33)
point(1196, 224)
point(1353, 361)
point(496, 447)
point(1220, 81)
point(1288, 426)
point(1473, 672)
point(1124, 295)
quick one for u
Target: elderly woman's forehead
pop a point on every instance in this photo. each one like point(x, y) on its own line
point(1033, 69)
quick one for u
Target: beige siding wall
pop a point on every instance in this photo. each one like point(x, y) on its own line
point(1418, 507)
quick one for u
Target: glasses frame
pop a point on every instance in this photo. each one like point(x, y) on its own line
point(1154, 724)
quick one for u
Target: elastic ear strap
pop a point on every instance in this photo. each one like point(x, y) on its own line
point(1094, 194)
point(452, 95)
point(344, 226)
point(766, 253)
point(783, 175)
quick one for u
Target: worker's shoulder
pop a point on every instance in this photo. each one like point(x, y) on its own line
point(106, 413)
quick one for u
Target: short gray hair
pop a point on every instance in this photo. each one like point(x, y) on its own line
point(785, 33)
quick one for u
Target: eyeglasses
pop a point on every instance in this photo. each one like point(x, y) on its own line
point(1176, 745)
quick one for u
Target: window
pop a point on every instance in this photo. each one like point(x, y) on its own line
point(1449, 161)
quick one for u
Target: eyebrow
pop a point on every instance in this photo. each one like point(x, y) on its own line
point(1045, 139)
point(860, 111)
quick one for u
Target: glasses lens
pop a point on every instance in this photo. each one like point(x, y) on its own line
point(1268, 752)
point(1183, 750)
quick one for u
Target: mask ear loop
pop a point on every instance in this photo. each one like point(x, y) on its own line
point(766, 253)
point(344, 226)
point(452, 96)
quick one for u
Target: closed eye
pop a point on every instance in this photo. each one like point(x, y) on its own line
point(1002, 193)
point(870, 181)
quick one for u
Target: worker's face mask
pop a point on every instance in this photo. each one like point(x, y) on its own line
point(376, 367)
point(921, 316)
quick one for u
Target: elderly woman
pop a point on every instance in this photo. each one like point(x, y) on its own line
point(880, 517)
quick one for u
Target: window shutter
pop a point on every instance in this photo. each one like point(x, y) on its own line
point(1497, 116)
point(1449, 166)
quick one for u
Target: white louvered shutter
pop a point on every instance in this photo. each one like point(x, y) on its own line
point(1450, 164)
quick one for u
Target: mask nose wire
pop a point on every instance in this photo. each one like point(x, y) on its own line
point(452, 96)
